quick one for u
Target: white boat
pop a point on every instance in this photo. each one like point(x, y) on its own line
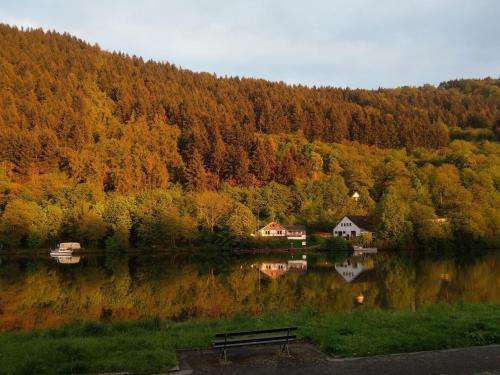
point(360, 250)
point(66, 248)
point(66, 259)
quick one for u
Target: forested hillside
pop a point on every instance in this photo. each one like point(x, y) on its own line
point(105, 147)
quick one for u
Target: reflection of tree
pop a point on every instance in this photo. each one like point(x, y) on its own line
point(397, 283)
point(431, 281)
point(42, 293)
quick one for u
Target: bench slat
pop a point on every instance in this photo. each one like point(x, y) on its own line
point(253, 339)
point(254, 332)
point(253, 343)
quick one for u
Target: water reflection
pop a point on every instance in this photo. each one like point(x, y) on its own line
point(66, 259)
point(277, 269)
point(41, 292)
point(356, 271)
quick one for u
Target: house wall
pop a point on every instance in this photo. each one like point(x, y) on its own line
point(272, 232)
point(296, 237)
point(346, 226)
point(291, 235)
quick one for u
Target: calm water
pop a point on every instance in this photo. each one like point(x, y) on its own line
point(39, 291)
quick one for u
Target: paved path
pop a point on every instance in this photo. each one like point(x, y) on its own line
point(306, 359)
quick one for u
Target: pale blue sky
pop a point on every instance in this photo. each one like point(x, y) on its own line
point(355, 43)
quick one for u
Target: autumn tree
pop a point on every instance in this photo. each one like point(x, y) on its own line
point(195, 173)
point(212, 209)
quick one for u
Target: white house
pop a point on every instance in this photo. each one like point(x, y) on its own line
point(291, 232)
point(354, 226)
point(354, 195)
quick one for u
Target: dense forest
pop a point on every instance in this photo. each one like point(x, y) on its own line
point(112, 150)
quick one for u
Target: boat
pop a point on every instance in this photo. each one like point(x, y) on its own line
point(360, 250)
point(66, 259)
point(66, 248)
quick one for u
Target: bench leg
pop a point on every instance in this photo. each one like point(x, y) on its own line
point(223, 355)
point(285, 347)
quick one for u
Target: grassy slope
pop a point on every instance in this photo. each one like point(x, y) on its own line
point(150, 345)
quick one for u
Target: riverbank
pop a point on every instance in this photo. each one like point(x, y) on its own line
point(149, 345)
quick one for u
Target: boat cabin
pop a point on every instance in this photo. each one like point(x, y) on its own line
point(68, 246)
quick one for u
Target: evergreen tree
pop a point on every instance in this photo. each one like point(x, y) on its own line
point(196, 177)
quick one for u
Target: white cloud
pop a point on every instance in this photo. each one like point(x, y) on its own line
point(357, 43)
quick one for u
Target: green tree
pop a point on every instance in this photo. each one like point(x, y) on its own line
point(212, 208)
point(392, 214)
point(24, 223)
point(118, 217)
point(241, 221)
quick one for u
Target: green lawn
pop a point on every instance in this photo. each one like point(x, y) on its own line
point(150, 345)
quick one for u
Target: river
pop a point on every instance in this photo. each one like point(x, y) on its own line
point(40, 291)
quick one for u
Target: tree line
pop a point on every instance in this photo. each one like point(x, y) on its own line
point(115, 151)
point(131, 125)
point(406, 193)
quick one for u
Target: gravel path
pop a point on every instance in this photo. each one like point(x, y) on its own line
point(307, 359)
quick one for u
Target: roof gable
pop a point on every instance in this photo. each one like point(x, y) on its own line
point(273, 226)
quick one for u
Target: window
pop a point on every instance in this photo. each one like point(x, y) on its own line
point(268, 232)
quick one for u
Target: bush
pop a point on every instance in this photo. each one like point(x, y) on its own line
point(337, 244)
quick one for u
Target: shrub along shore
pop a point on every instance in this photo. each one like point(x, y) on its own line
point(149, 345)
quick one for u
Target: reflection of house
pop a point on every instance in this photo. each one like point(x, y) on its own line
point(354, 226)
point(277, 269)
point(440, 220)
point(354, 271)
point(297, 266)
point(445, 276)
point(274, 270)
point(291, 232)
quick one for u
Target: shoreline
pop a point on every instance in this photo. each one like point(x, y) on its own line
point(194, 250)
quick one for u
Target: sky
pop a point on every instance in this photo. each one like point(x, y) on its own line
point(342, 43)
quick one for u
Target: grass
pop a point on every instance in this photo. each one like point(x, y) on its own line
point(149, 345)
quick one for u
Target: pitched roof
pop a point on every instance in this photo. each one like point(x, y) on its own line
point(295, 227)
point(272, 225)
point(363, 222)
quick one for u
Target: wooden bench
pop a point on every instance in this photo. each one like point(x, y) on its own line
point(280, 336)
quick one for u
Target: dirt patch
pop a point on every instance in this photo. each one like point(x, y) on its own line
point(246, 360)
point(307, 359)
